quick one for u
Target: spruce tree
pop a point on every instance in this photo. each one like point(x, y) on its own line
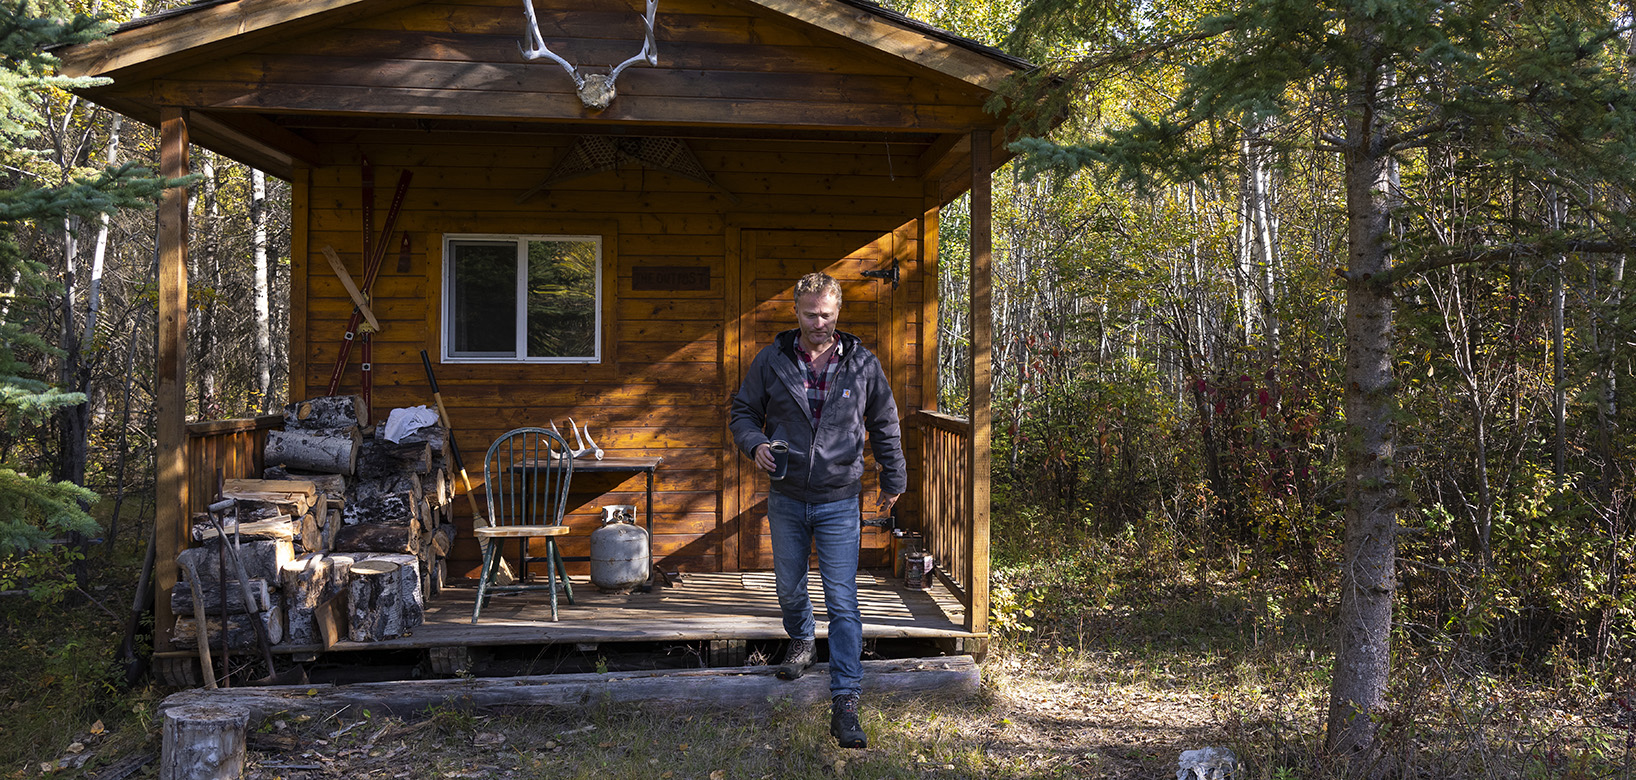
point(33, 508)
point(1515, 90)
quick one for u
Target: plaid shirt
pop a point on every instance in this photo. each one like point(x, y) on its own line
point(818, 378)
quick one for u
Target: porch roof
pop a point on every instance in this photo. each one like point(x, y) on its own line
point(263, 80)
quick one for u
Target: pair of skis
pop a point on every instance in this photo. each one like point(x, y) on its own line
point(374, 254)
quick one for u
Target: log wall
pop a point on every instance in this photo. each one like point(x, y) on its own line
point(671, 358)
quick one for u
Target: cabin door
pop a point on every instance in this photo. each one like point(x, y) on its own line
point(771, 261)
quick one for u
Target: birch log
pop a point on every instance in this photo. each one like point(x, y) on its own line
point(240, 630)
point(304, 580)
point(378, 538)
point(374, 610)
point(181, 598)
point(411, 590)
point(331, 454)
point(383, 458)
point(330, 411)
point(263, 560)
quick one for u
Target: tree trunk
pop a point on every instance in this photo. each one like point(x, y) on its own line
point(1357, 694)
point(263, 287)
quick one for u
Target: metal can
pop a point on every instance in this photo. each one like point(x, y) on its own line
point(917, 570)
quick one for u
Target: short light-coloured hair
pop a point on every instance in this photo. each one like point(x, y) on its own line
point(817, 283)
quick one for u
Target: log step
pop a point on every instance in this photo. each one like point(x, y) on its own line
point(756, 687)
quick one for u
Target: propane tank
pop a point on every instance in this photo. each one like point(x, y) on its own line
point(619, 550)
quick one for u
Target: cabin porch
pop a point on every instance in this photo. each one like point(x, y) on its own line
point(723, 615)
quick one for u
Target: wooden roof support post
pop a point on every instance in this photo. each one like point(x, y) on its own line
point(982, 338)
point(171, 397)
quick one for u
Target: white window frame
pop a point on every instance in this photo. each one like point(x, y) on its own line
point(519, 355)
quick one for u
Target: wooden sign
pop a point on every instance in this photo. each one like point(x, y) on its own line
point(670, 278)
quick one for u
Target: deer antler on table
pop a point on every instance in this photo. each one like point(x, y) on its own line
point(596, 90)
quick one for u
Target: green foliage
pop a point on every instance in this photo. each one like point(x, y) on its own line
point(37, 197)
point(34, 509)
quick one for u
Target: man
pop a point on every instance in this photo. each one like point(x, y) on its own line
point(819, 390)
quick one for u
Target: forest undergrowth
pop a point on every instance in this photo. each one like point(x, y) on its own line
point(1113, 653)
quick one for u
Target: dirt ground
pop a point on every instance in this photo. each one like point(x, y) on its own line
point(1024, 726)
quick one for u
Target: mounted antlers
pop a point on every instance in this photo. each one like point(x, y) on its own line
point(596, 90)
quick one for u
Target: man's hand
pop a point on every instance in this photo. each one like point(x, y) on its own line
point(764, 457)
point(883, 505)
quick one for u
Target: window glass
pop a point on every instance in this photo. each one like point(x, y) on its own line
point(562, 310)
point(485, 298)
point(523, 298)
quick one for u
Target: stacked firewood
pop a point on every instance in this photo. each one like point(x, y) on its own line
point(347, 530)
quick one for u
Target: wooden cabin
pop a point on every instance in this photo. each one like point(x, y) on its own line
point(772, 138)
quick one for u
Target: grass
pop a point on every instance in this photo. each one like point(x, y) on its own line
point(1112, 657)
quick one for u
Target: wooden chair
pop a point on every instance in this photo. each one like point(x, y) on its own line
point(525, 475)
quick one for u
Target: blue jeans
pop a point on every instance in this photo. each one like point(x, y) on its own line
point(834, 526)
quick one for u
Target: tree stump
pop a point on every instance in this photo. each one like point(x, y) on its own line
point(374, 610)
point(333, 453)
point(203, 741)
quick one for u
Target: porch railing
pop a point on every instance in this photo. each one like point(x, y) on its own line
point(224, 449)
point(946, 512)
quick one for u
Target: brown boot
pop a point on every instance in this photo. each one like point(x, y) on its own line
point(797, 659)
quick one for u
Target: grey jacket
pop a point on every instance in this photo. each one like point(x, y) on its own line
point(825, 464)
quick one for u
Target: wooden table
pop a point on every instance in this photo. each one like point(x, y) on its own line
point(630, 466)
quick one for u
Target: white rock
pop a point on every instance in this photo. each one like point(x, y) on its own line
point(1211, 763)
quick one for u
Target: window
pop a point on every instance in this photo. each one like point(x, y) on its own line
point(532, 299)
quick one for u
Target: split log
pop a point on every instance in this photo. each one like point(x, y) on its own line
point(263, 560)
point(378, 538)
point(250, 510)
point(305, 581)
point(330, 411)
point(273, 529)
point(750, 687)
point(340, 573)
point(442, 540)
point(310, 537)
point(241, 629)
point(181, 598)
point(292, 491)
point(374, 610)
point(423, 514)
point(334, 454)
point(331, 526)
point(331, 485)
point(203, 740)
point(382, 458)
point(436, 487)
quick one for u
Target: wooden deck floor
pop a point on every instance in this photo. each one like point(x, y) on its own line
point(729, 605)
